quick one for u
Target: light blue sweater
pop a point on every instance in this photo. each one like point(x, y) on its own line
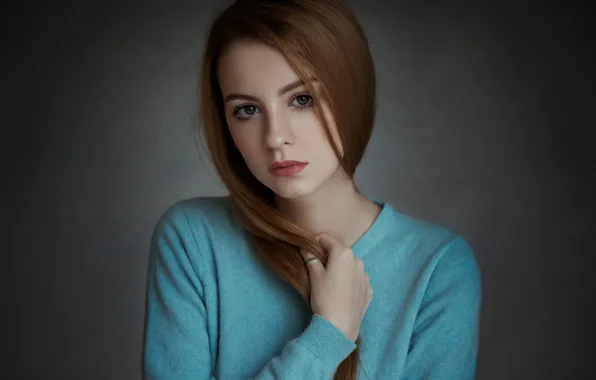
point(214, 310)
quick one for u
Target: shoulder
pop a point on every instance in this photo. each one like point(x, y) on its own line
point(452, 271)
point(455, 262)
point(442, 255)
point(197, 211)
point(191, 219)
point(201, 208)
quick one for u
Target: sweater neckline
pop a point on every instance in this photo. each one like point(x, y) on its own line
point(377, 230)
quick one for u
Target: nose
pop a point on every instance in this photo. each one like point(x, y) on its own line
point(278, 131)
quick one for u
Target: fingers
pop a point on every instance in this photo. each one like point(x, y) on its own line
point(328, 242)
point(315, 268)
point(332, 246)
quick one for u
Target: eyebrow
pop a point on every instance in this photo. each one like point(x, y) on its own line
point(280, 92)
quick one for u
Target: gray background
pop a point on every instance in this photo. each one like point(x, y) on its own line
point(484, 112)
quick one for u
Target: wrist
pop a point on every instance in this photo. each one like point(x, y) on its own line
point(351, 333)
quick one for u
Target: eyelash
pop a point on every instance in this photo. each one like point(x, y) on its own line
point(238, 108)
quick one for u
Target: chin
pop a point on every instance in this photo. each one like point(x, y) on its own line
point(292, 189)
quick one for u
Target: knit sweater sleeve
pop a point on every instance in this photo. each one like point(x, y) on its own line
point(444, 343)
point(177, 338)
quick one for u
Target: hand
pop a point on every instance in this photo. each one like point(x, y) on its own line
point(341, 292)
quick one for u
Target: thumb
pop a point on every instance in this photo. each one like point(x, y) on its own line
point(316, 268)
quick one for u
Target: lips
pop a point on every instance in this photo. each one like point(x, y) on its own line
point(289, 171)
point(285, 164)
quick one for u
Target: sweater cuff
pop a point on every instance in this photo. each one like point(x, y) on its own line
point(326, 341)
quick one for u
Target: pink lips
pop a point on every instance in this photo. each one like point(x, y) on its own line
point(287, 168)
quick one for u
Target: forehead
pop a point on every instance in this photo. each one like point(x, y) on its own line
point(253, 67)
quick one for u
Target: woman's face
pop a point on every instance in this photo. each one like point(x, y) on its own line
point(271, 118)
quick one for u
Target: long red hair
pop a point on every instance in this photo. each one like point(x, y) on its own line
point(321, 39)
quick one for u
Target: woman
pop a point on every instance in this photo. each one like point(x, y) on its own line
point(270, 281)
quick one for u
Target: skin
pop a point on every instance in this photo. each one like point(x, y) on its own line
point(269, 126)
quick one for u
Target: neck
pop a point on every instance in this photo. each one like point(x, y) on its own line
point(337, 208)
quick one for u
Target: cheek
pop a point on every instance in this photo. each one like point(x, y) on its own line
point(238, 137)
point(247, 146)
point(320, 148)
